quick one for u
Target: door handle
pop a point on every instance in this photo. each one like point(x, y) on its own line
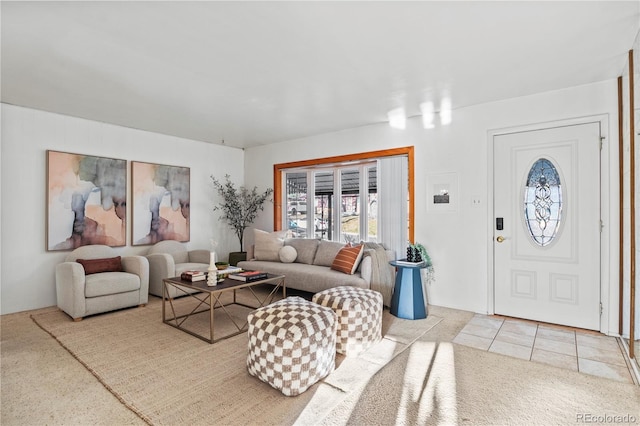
point(500, 238)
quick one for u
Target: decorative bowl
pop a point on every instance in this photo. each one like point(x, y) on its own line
point(222, 265)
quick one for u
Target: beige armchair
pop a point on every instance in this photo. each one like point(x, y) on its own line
point(104, 283)
point(169, 259)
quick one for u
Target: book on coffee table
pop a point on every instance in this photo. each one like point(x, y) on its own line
point(193, 276)
point(249, 276)
point(229, 270)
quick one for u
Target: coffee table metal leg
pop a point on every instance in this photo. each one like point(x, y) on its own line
point(164, 291)
point(214, 303)
point(211, 310)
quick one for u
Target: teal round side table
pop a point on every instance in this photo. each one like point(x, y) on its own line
point(408, 298)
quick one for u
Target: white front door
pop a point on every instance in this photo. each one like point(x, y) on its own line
point(547, 202)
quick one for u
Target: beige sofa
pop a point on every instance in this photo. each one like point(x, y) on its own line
point(311, 269)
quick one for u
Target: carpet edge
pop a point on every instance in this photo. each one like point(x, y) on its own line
point(94, 373)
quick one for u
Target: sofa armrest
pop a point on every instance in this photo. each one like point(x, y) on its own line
point(70, 283)
point(366, 265)
point(200, 256)
point(251, 251)
point(391, 255)
point(365, 269)
point(138, 265)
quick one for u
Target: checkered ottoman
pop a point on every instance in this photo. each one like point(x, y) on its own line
point(292, 344)
point(359, 317)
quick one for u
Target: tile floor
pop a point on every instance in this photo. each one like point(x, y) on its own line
point(574, 349)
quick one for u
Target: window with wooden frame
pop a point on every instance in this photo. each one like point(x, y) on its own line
point(348, 198)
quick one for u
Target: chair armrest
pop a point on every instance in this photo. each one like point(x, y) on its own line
point(199, 256)
point(138, 265)
point(161, 266)
point(70, 283)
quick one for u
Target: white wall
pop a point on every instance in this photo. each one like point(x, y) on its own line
point(457, 242)
point(27, 269)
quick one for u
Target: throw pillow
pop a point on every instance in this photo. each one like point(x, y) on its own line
point(327, 252)
point(95, 266)
point(348, 259)
point(266, 245)
point(306, 248)
point(287, 254)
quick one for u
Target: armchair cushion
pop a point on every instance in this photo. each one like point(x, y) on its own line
point(191, 266)
point(95, 266)
point(108, 283)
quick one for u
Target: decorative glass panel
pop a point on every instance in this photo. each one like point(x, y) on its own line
point(543, 202)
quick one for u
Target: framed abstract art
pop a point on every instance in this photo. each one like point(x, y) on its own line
point(86, 201)
point(161, 203)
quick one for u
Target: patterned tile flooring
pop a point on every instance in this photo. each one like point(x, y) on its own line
point(574, 349)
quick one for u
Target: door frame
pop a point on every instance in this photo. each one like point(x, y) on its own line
point(608, 194)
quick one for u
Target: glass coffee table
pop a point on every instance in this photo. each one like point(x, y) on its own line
point(209, 298)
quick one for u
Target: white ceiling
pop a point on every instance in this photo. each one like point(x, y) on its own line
point(254, 73)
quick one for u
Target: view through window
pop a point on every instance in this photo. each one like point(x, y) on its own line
point(336, 203)
point(350, 198)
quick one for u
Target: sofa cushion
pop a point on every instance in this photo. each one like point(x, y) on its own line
point(348, 259)
point(327, 251)
point(305, 247)
point(96, 266)
point(267, 245)
point(287, 254)
point(311, 278)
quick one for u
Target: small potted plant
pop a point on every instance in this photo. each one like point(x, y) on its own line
point(239, 207)
point(418, 253)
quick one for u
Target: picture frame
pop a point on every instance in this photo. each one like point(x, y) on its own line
point(442, 192)
point(161, 203)
point(86, 201)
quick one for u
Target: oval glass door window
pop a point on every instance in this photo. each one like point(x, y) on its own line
point(543, 202)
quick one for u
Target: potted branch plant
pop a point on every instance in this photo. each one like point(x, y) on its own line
point(239, 207)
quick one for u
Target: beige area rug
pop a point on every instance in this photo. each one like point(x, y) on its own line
point(169, 377)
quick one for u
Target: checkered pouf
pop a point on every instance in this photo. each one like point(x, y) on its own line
point(359, 317)
point(292, 344)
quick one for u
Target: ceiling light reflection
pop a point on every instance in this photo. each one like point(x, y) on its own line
point(445, 111)
point(397, 118)
point(428, 114)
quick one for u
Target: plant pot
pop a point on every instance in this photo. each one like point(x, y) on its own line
point(237, 256)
